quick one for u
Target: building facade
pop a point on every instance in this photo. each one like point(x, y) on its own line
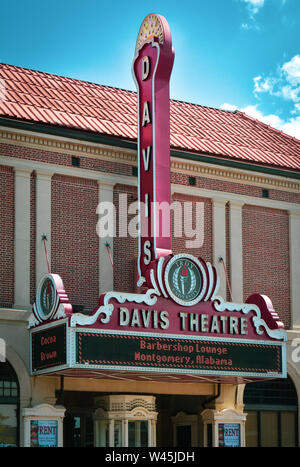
point(65, 147)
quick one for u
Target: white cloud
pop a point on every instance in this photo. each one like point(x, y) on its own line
point(254, 5)
point(229, 107)
point(271, 119)
point(264, 85)
point(284, 83)
point(290, 127)
point(291, 70)
point(290, 93)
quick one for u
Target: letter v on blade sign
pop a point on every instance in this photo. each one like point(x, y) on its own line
point(152, 66)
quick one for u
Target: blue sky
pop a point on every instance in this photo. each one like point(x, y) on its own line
point(229, 54)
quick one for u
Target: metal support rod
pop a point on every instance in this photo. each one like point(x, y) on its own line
point(226, 275)
point(44, 239)
point(109, 254)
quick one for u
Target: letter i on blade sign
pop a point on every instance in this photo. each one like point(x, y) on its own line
point(152, 66)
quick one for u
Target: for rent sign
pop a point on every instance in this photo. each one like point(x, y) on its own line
point(43, 433)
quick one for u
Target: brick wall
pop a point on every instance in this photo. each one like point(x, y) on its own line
point(6, 237)
point(125, 248)
point(179, 244)
point(266, 256)
point(74, 241)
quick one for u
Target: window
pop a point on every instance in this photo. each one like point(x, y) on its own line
point(272, 414)
point(183, 436)
point(185, 430)
point(9, 406)
point(78, 430)
point(138, 433)
point(75, 161)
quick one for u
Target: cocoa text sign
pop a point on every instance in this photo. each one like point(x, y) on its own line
point(48, 347)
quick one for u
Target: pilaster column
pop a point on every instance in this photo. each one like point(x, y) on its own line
point(236, 250)
point(153, 427)
point(111, 431)
point(22, 238)
point(150, 441)
point(219, 242)
point(125, 433)
point(43, 222)
point(294, 238)
point(106, 208)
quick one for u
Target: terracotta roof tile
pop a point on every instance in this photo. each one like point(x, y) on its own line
point(50, 99)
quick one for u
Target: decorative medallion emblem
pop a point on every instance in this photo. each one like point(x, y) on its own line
point(185, 279)
point(47, 297)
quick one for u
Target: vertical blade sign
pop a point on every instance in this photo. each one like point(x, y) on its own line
point(152, 66)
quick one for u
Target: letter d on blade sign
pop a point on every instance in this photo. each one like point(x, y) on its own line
point(152, 66)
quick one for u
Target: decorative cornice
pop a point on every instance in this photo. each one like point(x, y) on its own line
point(129, 156)
point(58, 144)
point(234, 175)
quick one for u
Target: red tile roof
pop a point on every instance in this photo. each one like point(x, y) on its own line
point(50, 99)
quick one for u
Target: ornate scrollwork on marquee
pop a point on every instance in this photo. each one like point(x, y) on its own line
point(261, 312)
point(149, 298)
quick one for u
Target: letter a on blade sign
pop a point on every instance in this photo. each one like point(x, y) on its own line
point(152, 66)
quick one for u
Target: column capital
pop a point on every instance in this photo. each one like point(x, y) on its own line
point(236, 204)
point(294, 212)
point(106, 184)
point(44, 173)
point(22, 171)
point(219, 201)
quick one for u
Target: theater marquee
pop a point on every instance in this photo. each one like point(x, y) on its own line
point(178, 328)
point(159, 336)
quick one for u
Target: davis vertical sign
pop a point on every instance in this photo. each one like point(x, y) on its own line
point(152, 68)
